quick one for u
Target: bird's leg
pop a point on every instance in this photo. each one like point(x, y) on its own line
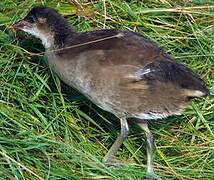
point(108, 159)
point(150, 150)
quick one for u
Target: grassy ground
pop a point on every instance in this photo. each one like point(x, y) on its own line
point(48, 133)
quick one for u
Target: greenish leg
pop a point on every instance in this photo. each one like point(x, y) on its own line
point(108, 159)
point(150, 151)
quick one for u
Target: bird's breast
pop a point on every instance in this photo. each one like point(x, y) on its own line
point(79, 74)
point(73, 73)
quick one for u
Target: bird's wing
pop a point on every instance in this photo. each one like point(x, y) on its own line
point(165, 71)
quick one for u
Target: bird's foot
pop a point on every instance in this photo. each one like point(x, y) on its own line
point(114, 163)
point(152, 176)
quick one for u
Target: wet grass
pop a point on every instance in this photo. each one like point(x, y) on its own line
point(48, 131)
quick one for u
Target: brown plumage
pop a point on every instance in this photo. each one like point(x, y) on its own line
point(122, 72)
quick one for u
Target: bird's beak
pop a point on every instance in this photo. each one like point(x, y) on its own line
point(21, 24)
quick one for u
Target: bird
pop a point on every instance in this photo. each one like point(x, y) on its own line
point(124, 73)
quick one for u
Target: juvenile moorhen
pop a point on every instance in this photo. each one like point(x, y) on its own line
point(123, 72)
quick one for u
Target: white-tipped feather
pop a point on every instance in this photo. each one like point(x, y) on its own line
point(151, 115)
point(141, 72)
point(193, 93)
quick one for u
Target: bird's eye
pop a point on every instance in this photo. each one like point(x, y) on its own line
point(32, 19)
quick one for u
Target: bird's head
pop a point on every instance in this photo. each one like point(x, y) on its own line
point(47, 25)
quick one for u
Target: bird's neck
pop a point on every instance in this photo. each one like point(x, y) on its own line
point(62, 33)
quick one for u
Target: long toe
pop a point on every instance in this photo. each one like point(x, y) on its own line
point(152, 176)
point(114, 163)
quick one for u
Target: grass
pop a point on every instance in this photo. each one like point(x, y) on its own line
point(48, 133)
